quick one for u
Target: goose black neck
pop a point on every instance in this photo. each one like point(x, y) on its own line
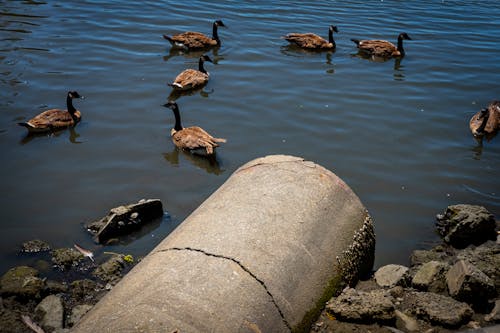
point(177, 116)
point(69, 105)
point(330, 37)
point(215, 34)
point(400, 45)
point(201, 68)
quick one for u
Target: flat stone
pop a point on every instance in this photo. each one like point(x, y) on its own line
point(467, 283)
point(391, 275)
point(51, 312)
point(437, 309)
point(375, 306)
point(431, 277)
point(123, 220)
point(22, 281)
point(463, 225)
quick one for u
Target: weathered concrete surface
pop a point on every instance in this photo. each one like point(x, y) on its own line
point(261, 254)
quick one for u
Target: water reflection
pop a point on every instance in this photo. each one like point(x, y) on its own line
point(296, 51)
point(208, 163)
point(144, 230)
point(73, 136)
point(176, 94)
point(195, 54)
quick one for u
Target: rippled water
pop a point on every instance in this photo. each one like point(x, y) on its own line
point(396, 132)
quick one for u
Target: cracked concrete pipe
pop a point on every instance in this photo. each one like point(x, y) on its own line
point(261, 254)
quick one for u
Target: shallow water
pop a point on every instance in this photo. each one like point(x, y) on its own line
point(396, 132)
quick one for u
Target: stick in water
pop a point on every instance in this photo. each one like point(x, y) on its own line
point(31, 324)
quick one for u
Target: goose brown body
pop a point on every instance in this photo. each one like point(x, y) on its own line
point(196, 40)
point(486, 121)
point(193, 138)
point(382, 48)
point(191, 78)
point(312, 41)
point(54, 119)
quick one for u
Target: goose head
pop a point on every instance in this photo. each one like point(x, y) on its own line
point(219, 23)
point(333, 28)
point(404, 35)
point(74, 94)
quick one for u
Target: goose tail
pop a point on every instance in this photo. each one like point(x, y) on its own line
point(25, 124)
point(175, 85)
point(221, 140)
point(356, 41)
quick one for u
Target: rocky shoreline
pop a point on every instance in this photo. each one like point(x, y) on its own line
point(451, 287)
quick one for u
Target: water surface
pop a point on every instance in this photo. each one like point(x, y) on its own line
point(396, 132)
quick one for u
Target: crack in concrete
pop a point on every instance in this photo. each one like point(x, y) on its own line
point(262, 283)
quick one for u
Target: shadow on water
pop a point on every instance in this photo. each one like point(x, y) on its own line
point(398, 67)
point(478, 149)
point(176, 94)
point(73, 136)
point(195, 54)
point(208, 163)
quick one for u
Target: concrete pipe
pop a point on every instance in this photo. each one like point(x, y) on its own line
point(261, 254)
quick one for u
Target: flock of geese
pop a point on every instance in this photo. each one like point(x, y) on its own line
point(486, 122)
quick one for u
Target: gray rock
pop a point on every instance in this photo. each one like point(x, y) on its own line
point(486, 258)
point(65, 258)
point(375, 306)
point(467, 283)
point(51, 312)
point(82, 289)
point(391, 275)
point(494, 315)
point(124, 219)
point(55, 287)
point(110, 271)
point(77, 313)
point(34, 246)
point(438, 253)
point(22, 281)
point(431, 277)
point(437, 309)
point(463, 225)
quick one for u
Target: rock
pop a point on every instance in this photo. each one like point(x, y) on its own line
point(82, 288)
point(65, 258)
point(494, 315)
point(10, 322)
point(55, 287)
point(110, 271)
point(431, 277)
point(22, 281)
point(467, 283)
point(405, 322)
point(463, 225)
point(486, 258)
point(391, 275)
point(51, 312)
point(375, 306)
point(77, 313)
point(437, 309)
point(34, 246)
point(438, 253)
point(124, 219)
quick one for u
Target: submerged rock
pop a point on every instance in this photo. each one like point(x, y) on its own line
point(463, 225)
point(124, 219)
point(356, 306)
point(110, 271)
point(65, 258)
point(23, 282)
point(35, 246)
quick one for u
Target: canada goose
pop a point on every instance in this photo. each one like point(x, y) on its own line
point(193, 138)
point(313, 41)
point(55, 119)
point(486, 121)
point(196, 40)
point(382, 48)
point(191, 78)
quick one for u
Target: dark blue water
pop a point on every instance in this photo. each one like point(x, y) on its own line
point(396, 132)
